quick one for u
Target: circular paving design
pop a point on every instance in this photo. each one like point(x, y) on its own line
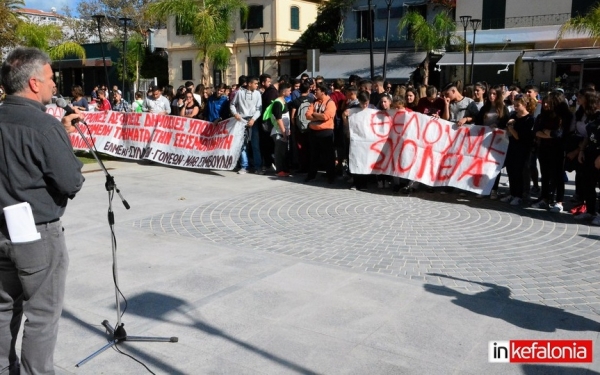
point(540, 256)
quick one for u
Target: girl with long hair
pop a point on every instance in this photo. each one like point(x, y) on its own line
point(520, 138)
point(412, 99)
point(549, 129)
point(494, 114)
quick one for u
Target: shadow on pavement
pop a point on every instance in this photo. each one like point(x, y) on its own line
point(496, 303)
point(157, 306)
point(102, 336)
point(556, 370)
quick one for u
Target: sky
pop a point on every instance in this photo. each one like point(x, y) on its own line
point(58, 4)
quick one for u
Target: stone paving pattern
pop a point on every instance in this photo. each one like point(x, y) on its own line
point(465, 243)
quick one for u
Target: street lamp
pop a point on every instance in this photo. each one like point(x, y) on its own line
point(464, 20)
point(474, 25)
point(371, 41)
point(387, 33)
point(264, 35)
point(137, 68)
point(248, 36)
point(124, 20)
point(99, 18)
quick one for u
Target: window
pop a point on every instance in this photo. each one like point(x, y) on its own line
point(580, 7)
point(295, 18)
point(186, 70)
point(182, 29)
point(363, 31)
point(395, 12)
point(255, 18)
point(494, 13)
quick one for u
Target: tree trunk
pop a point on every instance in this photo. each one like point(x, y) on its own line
point(426, 70)
point(205, 71)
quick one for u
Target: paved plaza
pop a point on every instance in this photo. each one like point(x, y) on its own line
point(259, 275)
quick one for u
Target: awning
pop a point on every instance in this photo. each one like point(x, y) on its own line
point(400, 65)
point(78, 63)
point(579, 54)
point(481, 58)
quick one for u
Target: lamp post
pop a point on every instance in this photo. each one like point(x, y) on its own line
point(264, 35)
point(387, 33)
point(99, 18)
point(474, 25)
point(137, 68)
point(464, 20)
point(248, 36)
point(125, 20)
point(371, 41)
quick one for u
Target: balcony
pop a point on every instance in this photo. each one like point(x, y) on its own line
point(525, 21)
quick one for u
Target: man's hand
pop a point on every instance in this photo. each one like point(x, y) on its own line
point(462, 121)
point(251, 122)
point(67, 122)
point(238, 117)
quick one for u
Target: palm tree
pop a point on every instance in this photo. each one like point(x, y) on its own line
point(49, 38)
point(428, 36)
point(588, 25)
point(208, 20)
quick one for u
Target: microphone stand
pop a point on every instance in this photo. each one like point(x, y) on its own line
point(118, 333)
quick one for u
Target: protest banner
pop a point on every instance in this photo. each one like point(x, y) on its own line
point(170, 140)
point(424, 149)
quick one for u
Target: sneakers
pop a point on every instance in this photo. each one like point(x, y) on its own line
point(494, 195)
point(584, 216)
point(283, 174)
point(535, 190)
point(596, 220)
point(558, 207)
point(507, 199)
point(260, 171)
point(540, 204)
point(516, 201)
point(243, 171)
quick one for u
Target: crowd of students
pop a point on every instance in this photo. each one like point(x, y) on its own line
point(301, 126)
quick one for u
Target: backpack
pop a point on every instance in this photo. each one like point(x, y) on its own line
point(268, 120)
point(301, 121)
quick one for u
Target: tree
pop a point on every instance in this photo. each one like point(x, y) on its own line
point(9, 20)
point(50, 39)
point(209, 23)
point(428, 36)
point(588, 25)
point(141, 20)
point(328, 28)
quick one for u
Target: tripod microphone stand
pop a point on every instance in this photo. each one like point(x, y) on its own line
point(117, 334)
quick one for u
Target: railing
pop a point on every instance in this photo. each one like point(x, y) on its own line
point(525, 21)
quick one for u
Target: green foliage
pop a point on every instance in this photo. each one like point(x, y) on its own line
point(9, 22)
point(135, 53)
point(209, 21)
point(588, 25)
point(328, 28)
point(220, 57)
point(426, 35)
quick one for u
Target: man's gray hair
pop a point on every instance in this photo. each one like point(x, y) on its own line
point(20, 65)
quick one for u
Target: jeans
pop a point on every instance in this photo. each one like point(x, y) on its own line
point(255, 141)
point(32, 283)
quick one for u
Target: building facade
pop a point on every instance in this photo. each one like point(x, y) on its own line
point(273, 26)
point(530, 28)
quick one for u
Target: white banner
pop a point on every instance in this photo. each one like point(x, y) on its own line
point(171, 140)
point(420, 148)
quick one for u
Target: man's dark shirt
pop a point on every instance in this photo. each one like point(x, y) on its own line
point(38, 165)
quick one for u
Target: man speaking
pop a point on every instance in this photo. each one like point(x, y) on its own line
point(37, 166)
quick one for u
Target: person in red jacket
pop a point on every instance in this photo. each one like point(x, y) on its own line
point(321, 115)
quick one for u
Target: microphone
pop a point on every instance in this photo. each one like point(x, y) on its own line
point(62, 103)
